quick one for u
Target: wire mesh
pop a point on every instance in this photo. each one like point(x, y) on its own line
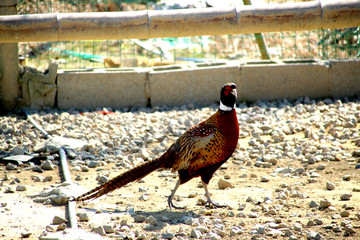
point(318, 44)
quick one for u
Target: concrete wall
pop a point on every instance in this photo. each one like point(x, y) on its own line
point(102, 88)
point(200, 83)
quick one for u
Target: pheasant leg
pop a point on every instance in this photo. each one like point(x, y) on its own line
point(170, 198)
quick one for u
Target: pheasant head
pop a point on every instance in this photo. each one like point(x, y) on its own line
point(228, 97)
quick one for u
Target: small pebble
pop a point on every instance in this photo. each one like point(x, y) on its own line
point(26, 234)
point(9, 190)
point(265, 179)
point(37, 169)
point(195, 234)
point(58, 220)
point(324, 204)
point(20, 188)
point(83, 217)
point(99, 230)
point(330, 186)
point(223, 184)
point(345, 214)
point(61, 227)
point(347, 178)
point(139, 218)
point(345, 197)
point(108, 229)
point(144, 197)
point(47, 165)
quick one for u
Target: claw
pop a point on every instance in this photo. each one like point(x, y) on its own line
point(170, 198)
point(209, 202)
point(172, 205)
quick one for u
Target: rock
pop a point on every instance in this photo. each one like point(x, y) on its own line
point(330, 186)
point(92, 164)
point(139, 218)
point(253, 215)
point(310, 223)
point(347, 178)
point(108, 228)
point(99, 230)
point(83, 217)
point(85, 169)
point(324, 204)
point(47, 165)
point(223, 184)
point(167, 235)
point(78, 178)
point(195, 234)
point(297, 227)
point(336, 229)
point(313, 235)
point(349, 230)
point(10, 166)
point(9, 190)
point(60, 200)
point(18, 150)
point(20, 188)
point(37, 169)
point(53, 144)
point(49, 228)
point(321, 167)
point(143, 189)
point(144, 197)
point(102, 179)
point(265, 179)
point(345, 213)
point(18, 158)
point(58, 220)
point(151, 220)
point(61, 227)
point(15, 181)
point(318, 221)
point(48, 179)
point(313, 204)
point(144, 154)
point(356, 153)
point(26, 234)
point(38, 178)
point(235, 231)
point(345, 197)
point(189, 221)
point(124, 228)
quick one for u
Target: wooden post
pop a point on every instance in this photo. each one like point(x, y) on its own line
point(259, 40)
point(9, 65)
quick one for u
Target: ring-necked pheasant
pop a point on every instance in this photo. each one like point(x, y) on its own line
point(198, 152)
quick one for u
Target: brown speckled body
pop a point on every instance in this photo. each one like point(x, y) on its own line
point(201, 150)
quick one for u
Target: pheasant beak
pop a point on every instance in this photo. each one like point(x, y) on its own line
point(234, 92)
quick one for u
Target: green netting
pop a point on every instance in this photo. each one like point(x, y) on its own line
point(318, 44)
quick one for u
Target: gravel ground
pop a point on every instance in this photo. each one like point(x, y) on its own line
point(294, 175)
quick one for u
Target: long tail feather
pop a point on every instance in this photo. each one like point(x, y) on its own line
point(130, 176)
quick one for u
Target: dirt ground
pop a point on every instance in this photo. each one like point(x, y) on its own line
point(20, 214)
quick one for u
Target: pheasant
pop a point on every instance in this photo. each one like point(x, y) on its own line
point(198, 152)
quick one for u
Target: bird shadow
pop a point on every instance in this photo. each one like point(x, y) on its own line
point(162, 218)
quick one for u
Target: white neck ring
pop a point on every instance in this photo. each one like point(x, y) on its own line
point(226, 108)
